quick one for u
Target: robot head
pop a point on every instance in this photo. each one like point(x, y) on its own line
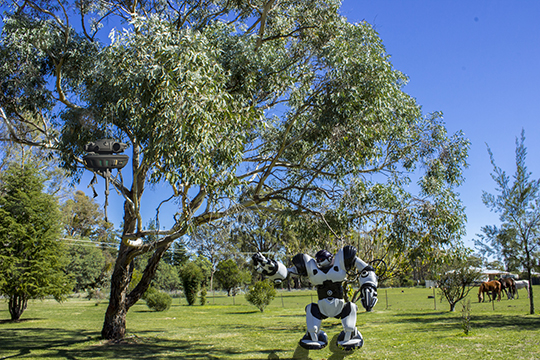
point(324, 258)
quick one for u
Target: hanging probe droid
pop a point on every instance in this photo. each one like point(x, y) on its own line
point(104, 156)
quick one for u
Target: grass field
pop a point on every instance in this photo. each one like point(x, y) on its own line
point(405, 324)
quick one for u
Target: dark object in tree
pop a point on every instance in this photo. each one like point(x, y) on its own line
point(103, 155)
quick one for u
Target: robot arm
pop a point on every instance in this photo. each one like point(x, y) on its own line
point(367, 279)
point(368, 284)
point(271, 269)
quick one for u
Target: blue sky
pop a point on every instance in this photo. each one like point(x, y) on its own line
point(479, 63)
point(476, 61)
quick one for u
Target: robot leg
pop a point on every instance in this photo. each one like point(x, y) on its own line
point(315, 338)
point(350, 338)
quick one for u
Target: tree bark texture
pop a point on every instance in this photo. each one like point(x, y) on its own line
point(114, 326)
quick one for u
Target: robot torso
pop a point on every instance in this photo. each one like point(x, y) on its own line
point(334, 273)
point(328, 282)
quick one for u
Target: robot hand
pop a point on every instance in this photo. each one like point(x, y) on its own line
point(262, 263)
point(368, 296)
point(258, 258)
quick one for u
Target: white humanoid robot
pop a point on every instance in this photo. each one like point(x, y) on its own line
point(327, 273)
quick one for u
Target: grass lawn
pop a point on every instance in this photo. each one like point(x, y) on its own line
point(404, 325)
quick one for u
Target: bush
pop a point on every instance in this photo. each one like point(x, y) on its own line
point(191, 276)
point(466, 317)
point(95, 294)
point(158, 301)
point(203, 296)
point(261, 294)
point(150, 291)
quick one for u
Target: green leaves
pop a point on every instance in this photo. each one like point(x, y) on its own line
point(166, 89)
point(243, 105)
point(516, 200)
point(261, 294)
point(32, 258)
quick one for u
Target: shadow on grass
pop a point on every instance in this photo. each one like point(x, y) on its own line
point(242, 312)
point(9, 321)
point(66, 344)
point(524, 322)
point(337, 354)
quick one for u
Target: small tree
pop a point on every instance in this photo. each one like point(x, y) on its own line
point(466, 317)
point(457, 276)
point(517, 240)
point(228, 275)
point(31, 258)
point(82, 216)
point(261, 294)
point(203, 296)
point(191, 276)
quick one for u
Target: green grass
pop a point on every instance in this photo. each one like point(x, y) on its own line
point(408, 328)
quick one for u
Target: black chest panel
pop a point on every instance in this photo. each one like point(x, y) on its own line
point(330, 289)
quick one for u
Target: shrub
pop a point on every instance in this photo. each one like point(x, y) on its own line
point(95, 294)
point(261, 294)
point(466, 317)
point(191, 276)
point(150, 291)
point(158, 301)
point(203, 296)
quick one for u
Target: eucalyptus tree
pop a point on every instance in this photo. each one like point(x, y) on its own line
point(259, 231)
point(232, 104)
point(517, 240)
point(82, 217)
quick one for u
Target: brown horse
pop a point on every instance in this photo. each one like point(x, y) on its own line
point(508, 285)
point(489, 287)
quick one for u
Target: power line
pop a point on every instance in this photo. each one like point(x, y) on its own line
point(89, 242)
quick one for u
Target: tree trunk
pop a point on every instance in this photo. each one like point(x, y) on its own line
point(114, 326)
point(531, 297)
point(17, 305)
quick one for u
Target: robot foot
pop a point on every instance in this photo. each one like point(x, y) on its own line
point(355, 342)
point(308, 343)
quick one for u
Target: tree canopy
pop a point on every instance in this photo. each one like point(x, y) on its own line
point(232, 104)
point(457, 275)
point(82, 217)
